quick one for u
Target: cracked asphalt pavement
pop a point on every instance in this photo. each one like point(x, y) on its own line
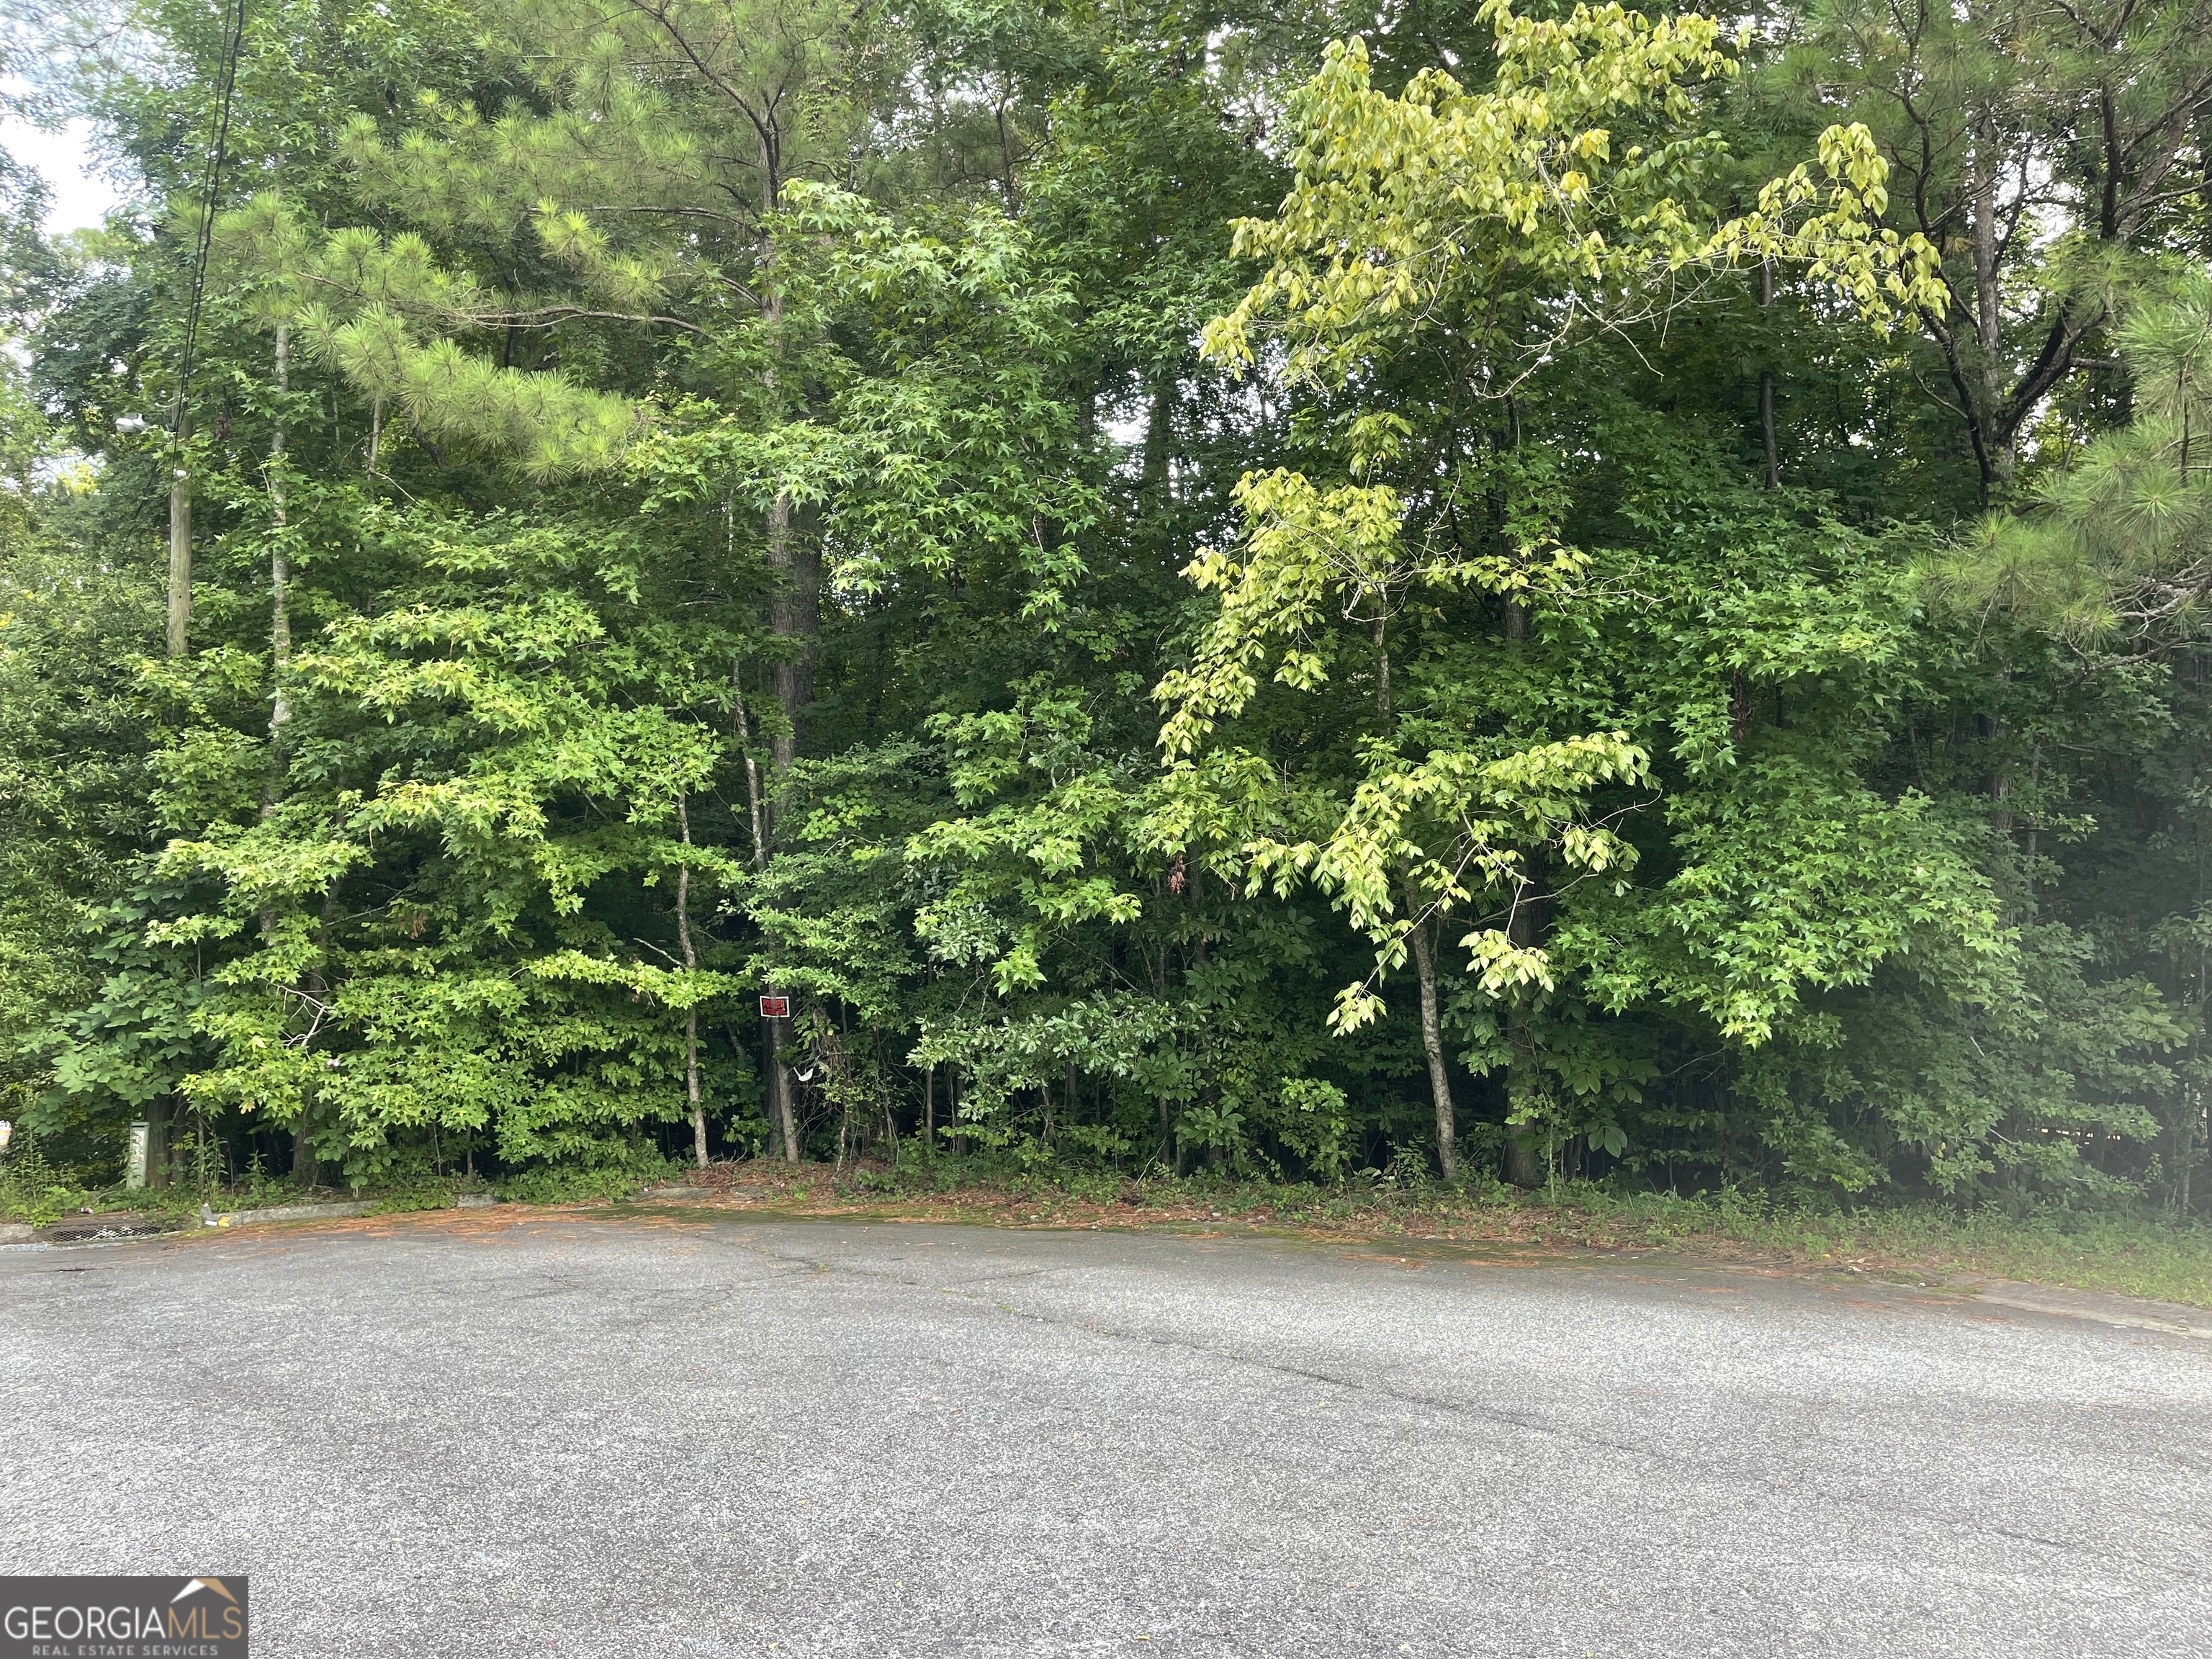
point(665, 1433)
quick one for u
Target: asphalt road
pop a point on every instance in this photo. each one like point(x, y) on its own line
point(663, 1434)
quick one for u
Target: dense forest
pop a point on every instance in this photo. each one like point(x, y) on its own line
point(1522, 591)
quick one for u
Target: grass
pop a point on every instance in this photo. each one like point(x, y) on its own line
point(2133, 1255)
point(37, 1194)
point(2167, 1261)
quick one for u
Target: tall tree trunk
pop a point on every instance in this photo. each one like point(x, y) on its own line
point(2184, 1156)
point(1432, 1045)
point(179, 629)
point(307, 1163)
point(2201, 1136)
point(1504, 440)
point(159, 1111)
point(1423, 956)
point(1382, 673)
point(753, 794)
point(280, 606)
point(2204, 179)
point(1766, 386)
point(795, 619)
point(180, 543)
point(795, 605)
point(1766, 429)
point(1159, 966)
point(785, 1116)
point(691, 1014)
point(779, 1091)
point(1522, 1167)
point(306, 1167)
point(1988, 308)
point(1007, 156)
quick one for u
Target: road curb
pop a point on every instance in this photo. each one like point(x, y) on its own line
point(338, 1211)
point(2126, 1312)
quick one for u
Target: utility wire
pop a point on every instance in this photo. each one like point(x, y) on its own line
point(207, 218)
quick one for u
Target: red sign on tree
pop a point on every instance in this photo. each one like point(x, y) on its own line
point(775, 1007)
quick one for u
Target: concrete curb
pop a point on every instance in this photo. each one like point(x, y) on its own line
point(284, 1212)
point(2126, 1312)
point(334, 1212)
point(114, 1226)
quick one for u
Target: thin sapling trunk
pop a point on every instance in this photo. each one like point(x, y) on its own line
point(690, 962)
point(1432, 1045)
